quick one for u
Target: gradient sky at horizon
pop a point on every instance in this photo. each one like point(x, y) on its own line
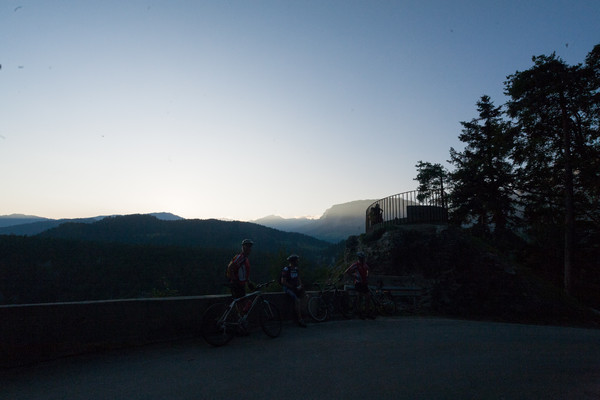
point(242, 109)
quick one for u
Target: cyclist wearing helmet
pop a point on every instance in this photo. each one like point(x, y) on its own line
point(292, 285)
point(238, 270)
point(360, 272)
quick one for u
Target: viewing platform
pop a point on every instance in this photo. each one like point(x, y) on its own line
point(414, 207)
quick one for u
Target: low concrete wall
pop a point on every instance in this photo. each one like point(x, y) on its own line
point(37, 332)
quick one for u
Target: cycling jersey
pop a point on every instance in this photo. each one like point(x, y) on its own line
point(240, 269)
point(360, 272)
point(291, 275)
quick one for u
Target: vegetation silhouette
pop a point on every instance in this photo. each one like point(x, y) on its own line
point(530, 169)
point(140, 256)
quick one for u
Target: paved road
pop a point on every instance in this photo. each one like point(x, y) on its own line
point(391, 358)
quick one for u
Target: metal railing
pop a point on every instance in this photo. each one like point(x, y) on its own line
point(412, 207)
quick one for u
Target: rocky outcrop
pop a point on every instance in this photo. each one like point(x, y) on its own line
point(334, 226)
point(464, 276)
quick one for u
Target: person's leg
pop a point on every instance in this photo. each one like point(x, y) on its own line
point(365, 300)
point(237, 292)
point(362, 300)
point(299, 312)
point(371, 310)
point(293, 299)
point(297, 308)
point(296, 301)
point(359, 304)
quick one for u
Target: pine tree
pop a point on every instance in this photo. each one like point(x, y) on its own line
point(432, 179)
point(482, 179)
point(556, 110)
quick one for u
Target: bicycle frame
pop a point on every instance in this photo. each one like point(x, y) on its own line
point(242, 316)
point(374, 296)
point(222, 321)
point(235, 306)
point(382, 300)
point(329, 300)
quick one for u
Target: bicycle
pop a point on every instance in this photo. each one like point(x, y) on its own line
point(381, 300)
point(328, 301)
point(221, 321)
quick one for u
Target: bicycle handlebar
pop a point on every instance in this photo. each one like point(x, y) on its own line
point(328, 285)
point(260, 285)
point(265, 284)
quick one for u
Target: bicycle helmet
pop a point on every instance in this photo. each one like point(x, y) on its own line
point(360, 255)
point(293, 257)
point(247, 242)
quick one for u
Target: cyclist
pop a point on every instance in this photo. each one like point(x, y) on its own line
point(238, 271)
point(292, 285)
point(360, 272)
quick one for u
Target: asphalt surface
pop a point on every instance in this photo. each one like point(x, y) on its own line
point(389, 358)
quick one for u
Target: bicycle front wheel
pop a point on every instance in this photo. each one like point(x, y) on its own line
point(215, 329)
point(317, 308)
point(270, 319)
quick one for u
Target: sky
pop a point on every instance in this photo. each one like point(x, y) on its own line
point(240, 109)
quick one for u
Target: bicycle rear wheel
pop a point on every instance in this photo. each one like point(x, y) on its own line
point(216, 331)
point(317, 308)
point(388, 305)
point(270, 319)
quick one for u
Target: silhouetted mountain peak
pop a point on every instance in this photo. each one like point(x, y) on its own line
point(336, 224)
point(353, 209)
point(166, 216)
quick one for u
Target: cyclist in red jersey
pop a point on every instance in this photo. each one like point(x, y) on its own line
point(238, 270)
point(360, 272)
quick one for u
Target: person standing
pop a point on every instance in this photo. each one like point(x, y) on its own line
point(238, 271)
point(292, 286)
point(359, 270)
point(376, 214)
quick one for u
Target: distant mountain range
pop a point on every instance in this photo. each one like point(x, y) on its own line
point(19, 219)
point(29, 225)
point(335, 225)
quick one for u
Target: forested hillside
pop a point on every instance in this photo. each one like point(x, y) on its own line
point(141, 256)
point(211, 233)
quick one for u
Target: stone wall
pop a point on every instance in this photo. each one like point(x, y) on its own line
point(37, 332)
